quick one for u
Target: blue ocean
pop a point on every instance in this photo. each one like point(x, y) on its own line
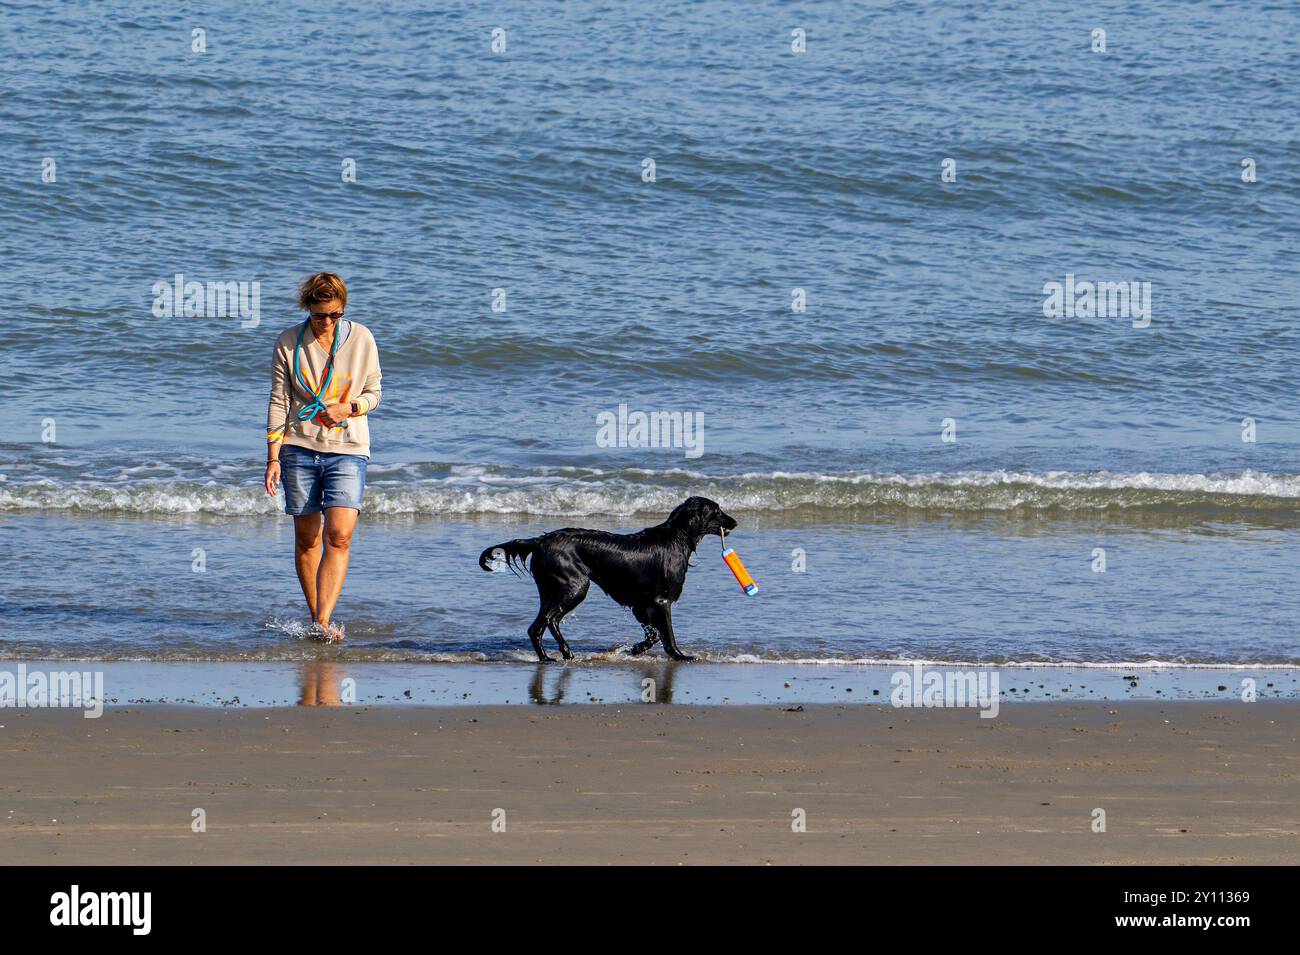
point(980, 318)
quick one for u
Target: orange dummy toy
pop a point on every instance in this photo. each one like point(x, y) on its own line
point(733, 561)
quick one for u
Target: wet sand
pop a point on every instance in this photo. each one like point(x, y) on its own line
point(1185, 782)
point(279, 683)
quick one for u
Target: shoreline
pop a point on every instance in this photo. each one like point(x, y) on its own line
point(324, 682)
point(1179, 784)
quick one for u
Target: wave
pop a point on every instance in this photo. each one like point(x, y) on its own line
point(458, 490)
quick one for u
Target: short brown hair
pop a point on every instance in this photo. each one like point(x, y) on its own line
point(321, 287)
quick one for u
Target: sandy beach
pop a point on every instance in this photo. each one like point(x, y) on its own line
point(1189, 782)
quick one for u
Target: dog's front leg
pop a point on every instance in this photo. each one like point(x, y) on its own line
point(662, 618)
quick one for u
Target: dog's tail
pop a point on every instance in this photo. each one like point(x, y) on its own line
point(513, 553)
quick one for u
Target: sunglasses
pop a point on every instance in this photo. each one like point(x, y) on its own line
point(326, 316)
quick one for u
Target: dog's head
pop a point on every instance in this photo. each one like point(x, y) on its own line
point(698, 517)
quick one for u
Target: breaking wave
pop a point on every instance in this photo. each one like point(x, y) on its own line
point(452, 490)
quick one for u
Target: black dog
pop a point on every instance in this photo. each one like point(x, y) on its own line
point(643, 571)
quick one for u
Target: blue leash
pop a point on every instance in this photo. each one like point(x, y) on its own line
point(317, 404)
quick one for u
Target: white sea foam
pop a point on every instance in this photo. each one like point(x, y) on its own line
point(475, 490)
point(575, 492)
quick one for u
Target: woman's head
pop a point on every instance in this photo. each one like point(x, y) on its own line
point(324, 296)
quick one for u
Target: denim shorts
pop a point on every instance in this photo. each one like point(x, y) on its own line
point(315, 480)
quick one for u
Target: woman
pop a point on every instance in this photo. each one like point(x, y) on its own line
point(324, 384)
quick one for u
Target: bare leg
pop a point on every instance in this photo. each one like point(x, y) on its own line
point(306, 556)
point(339, 525)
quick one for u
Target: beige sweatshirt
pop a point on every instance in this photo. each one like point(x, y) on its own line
point(356, 378)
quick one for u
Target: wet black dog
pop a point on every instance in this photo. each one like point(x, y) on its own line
point(643, 571)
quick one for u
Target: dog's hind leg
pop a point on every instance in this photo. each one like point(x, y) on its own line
point(652, 634)
point(535, 631)
point(571, 600)
point(554, 626)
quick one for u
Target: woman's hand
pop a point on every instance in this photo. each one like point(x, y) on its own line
point(272, 476)
point(333, 414)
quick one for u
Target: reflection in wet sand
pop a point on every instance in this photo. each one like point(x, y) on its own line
point(538, 692)
point(320, 684)
point(657, 685)
point(550, 683)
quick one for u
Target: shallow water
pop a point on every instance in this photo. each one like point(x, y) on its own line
point(138, 438)
point(976, 589)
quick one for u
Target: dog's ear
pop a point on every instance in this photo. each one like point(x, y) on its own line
point(690, 516)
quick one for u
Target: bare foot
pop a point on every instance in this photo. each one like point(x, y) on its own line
point(326, 632)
